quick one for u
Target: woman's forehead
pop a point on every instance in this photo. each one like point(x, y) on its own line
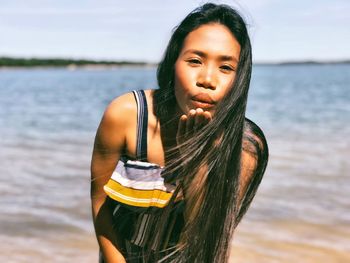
point(212, 39)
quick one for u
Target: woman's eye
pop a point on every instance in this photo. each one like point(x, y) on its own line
point(227, 68)
point(194, 61)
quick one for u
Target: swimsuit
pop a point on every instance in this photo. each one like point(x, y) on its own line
point(138, 193)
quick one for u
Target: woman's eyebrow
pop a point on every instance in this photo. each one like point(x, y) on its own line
point(228, 58)
point(196, 52)
point(203, 54)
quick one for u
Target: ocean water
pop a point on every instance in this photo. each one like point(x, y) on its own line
point(48, 119)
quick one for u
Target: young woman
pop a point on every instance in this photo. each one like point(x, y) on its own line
point(175, 169)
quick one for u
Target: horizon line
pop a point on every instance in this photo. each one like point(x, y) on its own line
point(149, 63)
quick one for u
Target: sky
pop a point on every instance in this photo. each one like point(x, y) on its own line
point(280, 30)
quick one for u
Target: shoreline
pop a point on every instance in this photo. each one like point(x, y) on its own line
point(96, 67)
point(7, 63)
point(73, 67)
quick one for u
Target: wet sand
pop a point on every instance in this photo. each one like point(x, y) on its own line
point(279, 242)
point(249, 249)
point(273, 243)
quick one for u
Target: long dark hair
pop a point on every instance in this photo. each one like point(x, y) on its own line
point(208, 172)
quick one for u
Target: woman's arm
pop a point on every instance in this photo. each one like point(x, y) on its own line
point(255, 154)
point(109, 144)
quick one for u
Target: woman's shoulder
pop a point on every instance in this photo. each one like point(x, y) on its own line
point(122, 110)
point(253, 163)
point(121, 106)
point(118, 117)
point(255, 152)
point(254, 140)
point(116, 121)
point(125, 104)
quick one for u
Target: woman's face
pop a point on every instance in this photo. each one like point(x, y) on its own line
point(206, 68)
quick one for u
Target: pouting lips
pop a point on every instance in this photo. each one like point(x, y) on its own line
point(203, 100)
point(203, 97)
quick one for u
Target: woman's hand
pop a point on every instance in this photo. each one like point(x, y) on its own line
point(191, 123)
point(188, 126)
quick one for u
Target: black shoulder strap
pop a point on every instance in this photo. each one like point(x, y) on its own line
point(142, 125)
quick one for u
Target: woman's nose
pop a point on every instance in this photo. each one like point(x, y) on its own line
point(207, 79)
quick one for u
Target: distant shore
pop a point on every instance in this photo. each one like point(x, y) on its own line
point(9, 62)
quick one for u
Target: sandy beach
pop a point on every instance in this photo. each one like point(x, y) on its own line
point(247, 248)
point(275, 243)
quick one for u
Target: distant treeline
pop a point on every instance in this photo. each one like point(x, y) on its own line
point(57, 62)
point(60, 62)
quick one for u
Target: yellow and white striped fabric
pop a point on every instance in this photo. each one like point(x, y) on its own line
point(139, 184)
point(138, 192)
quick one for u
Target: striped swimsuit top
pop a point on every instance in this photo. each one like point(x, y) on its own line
point(136, 186)
point(138, 183)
